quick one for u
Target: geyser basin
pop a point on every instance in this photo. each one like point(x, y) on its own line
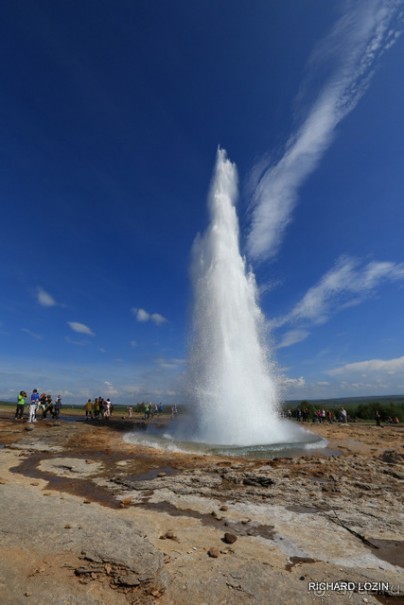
point(300, 442)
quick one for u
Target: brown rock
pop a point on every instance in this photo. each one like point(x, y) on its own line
point(214, 552)
point(229, 538)
point(169, 535)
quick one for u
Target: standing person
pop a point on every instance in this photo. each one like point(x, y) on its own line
point(33, 405)
point(48, 406)
point(96, 408)
point(42, 404)
point(109, 407)
point(105, 409)
point(19, 411)
point(57, 406)
point(89, 410)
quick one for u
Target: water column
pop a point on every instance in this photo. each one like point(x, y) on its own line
point(231, 383)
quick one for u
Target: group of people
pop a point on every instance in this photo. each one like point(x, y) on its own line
point(151, 410)
point(390, 419)
point(37, 402)
point(320, 415)
point(98, 408)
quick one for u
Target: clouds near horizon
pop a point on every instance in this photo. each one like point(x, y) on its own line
point(372, 366)
point(353, 47)
point(371, 376)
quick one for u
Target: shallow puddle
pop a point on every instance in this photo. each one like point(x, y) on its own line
point(82, 486)
point(247, 528)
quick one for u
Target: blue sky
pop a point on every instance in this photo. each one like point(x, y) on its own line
point(111, 114)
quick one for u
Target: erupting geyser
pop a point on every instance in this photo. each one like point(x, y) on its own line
point(231, 389)
point(231, 385)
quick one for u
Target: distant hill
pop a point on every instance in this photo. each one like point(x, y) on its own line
point(399, 399)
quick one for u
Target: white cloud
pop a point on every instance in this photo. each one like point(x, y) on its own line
point(158, 319)
point(288, 383)
point(44, 298)
point(80, 328)
point(142, 316)
point(356, 42)
point(373, 367)
point(346, 284)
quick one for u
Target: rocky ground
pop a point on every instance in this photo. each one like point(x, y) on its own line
point(87, 518)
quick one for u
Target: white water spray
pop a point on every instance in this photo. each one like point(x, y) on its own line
point(233, 391)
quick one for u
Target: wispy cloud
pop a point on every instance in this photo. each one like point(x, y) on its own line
point(348, 283)
point(44, 298)
point(353, 47)
point(292, 337)
point(80, 328)
point(112, 391)
point(170, 364)
point(143, 316)
point(33, 334)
